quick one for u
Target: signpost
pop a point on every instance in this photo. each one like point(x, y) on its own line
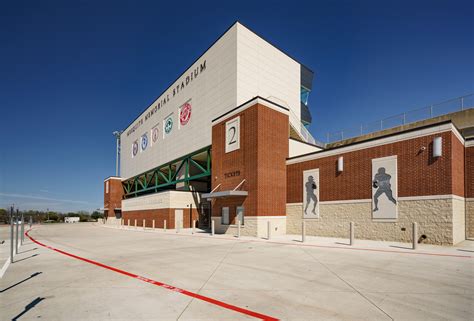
point(22, 228)
point(16, 237)
point(11, 234)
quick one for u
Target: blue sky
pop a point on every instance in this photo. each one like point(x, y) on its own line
point(74, 71)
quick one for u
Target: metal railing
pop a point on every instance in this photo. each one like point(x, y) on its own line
point(296, 122)
point(434, 110)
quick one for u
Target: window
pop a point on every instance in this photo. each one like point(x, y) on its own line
point(304, 95)
point(107, 187)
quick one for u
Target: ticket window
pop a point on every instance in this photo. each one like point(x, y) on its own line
point(225, 216)
point(239, 215)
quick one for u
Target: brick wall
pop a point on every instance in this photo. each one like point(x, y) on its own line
point(260, 161)
point(419, 174)
point(160, 215)
point(458, 178)
point(113, 199)
point(469, 170)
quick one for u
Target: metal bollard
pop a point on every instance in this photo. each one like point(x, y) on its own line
point(16, 236)
point(12, 231)
point(122, 223)
point(135, 223)
point(153, 224)
point(238, 228)
point(128, 223)
point(194, 226)
point(351, 233)
point(269, 227)
point(303, 231)
point(415, 235)
point(164, 225)
point(144, 224)
point(22, 228)
point(212, 227)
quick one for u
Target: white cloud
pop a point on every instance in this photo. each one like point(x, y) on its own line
point(34, 202)
point(44, 198)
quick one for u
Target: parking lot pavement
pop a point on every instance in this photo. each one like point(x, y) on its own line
point(98, 273)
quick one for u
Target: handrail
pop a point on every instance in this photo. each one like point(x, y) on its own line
point(302, 130)
point(240, 184)
point(215, 188)
point(434, 110)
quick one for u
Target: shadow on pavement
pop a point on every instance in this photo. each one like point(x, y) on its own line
point(35, 248)
point(26, 258)
point(401, 247)
point(18, 283)
point(28, 307)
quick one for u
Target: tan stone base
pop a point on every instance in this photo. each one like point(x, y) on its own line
point(255, 226)
point(435, 218)
point(470, 218)
point(113, 221)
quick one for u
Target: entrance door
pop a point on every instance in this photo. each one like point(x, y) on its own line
point(225, 216)
point(178, 218)
point(205, 215)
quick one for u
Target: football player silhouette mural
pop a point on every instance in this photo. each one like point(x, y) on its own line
point(382, 183)
point(311, 187)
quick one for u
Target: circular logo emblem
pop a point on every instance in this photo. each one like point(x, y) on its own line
point(169, 125)
point(154, 134)
point(185, 114)
point(144, 141)
point(135, 148)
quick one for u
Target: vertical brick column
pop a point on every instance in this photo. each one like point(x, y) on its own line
point(469, 179)
point(112, 195)
point(260, 161)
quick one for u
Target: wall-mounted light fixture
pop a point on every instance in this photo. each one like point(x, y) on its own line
point(340, 164)
point(437, 147)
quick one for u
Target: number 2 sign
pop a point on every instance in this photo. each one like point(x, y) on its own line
point(232, 135)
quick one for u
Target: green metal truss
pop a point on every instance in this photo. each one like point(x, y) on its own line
point(166, 175)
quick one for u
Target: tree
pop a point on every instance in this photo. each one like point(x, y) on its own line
point(4, 216)
point(96, 215)
point(53, 216)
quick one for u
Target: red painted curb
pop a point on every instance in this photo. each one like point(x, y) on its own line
point(160, 284)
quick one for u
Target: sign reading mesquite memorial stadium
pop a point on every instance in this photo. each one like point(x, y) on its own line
point(172, 92)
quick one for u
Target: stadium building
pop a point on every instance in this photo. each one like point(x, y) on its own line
point(228, 140)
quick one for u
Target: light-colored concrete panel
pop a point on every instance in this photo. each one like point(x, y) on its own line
point(434, 218)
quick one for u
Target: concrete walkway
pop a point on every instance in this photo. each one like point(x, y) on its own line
point(280, 278)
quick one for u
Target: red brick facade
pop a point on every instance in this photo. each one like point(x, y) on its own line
point(112, 198)
point(419, 173)
point(260, 161)
point(458, 167)
point(160, 215)
point(469, 170)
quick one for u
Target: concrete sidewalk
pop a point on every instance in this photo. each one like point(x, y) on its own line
point(278, 278)
point(463, 249)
